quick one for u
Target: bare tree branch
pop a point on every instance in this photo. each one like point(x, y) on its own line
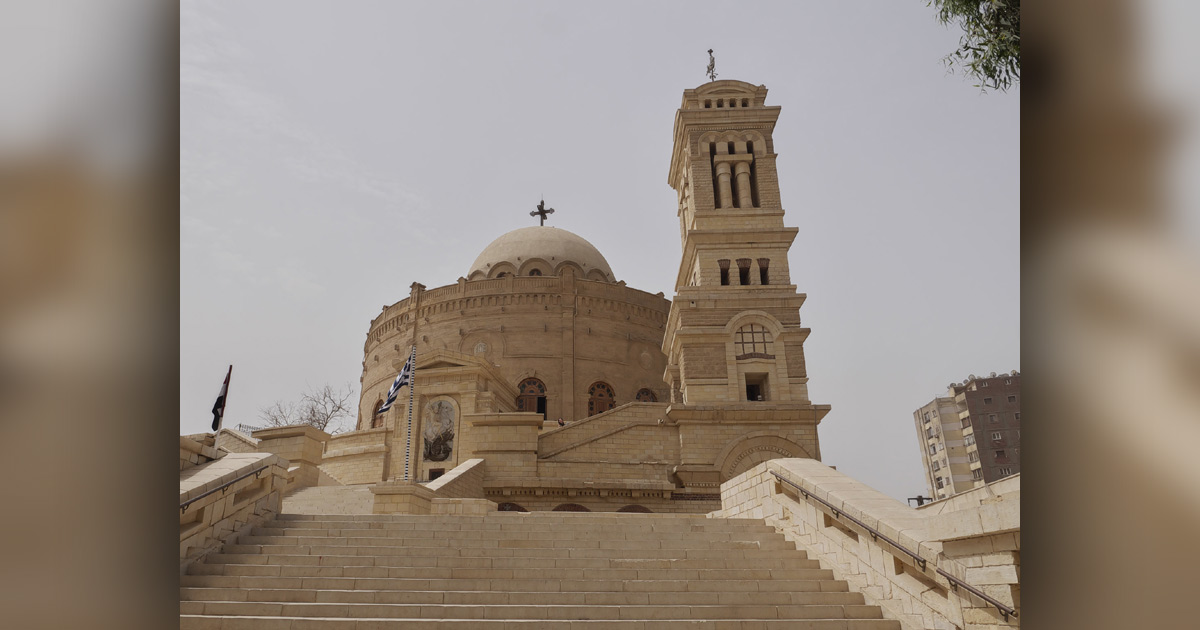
point(321, 408)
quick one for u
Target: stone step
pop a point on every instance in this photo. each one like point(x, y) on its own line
point(447, 573)
point(688, 542)
point(517, 524)
point(521, 598)
point(530, 552)
point(549, 612)
point(194, 622)
point(554, 539)
point(514, 562)
point(819, 584)
point(666, 520)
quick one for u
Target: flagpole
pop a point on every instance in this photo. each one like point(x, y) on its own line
point(412, 380)
point(415, 305)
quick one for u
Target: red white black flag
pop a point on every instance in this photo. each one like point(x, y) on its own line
point(219, 406)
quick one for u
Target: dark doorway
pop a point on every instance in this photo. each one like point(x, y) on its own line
point(753, 391)
point(532, 396)
point(434, 473)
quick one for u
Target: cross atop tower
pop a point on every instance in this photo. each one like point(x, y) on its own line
point(541, 212)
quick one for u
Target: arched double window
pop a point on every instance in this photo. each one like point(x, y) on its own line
point(645, 395)
point(531, 396)
point(600, 398)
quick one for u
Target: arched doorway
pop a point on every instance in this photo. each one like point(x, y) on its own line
point(531, 396)
point(571, 507)
point(600, 398)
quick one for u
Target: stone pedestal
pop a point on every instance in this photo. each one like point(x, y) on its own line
point(301, 445)
point(401, 497)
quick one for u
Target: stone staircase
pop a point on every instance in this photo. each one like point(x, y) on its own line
point(512, 570)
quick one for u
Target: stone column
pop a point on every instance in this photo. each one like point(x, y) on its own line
point(724, 186)
point(745, 200)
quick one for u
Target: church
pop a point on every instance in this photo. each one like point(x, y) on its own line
point(660, 400)
point(447, 507)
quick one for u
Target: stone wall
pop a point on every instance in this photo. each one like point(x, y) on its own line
point(235, 442)
point(193, 453)
point(210, 522)
point(977, 541)
point(464, 482)
point(301, 445)
point(356, 457)
point(564, 330)
point(578, 434)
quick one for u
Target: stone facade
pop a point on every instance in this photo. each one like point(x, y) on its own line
point(662, 400)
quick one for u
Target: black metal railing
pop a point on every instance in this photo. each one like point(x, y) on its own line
point(221, 488)
point(922, 562)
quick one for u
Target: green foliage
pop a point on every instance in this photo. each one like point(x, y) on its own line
point(990, 47)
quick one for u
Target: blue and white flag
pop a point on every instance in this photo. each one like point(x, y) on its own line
point(402, 379)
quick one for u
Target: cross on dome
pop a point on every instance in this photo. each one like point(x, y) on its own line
point(541, 212)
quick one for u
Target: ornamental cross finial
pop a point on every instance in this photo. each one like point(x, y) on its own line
point(712, 66)
point(541, 212)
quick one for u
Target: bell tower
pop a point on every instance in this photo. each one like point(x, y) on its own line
point(734, 337)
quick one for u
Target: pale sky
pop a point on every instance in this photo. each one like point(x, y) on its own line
point(333, 153)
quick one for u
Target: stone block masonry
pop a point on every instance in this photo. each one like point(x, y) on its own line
point(954, 537)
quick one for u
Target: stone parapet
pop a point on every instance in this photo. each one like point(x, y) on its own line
point(356, 457)
point(402, 497)
point(214, 519)
point(465, 481)
point(959, 541)
point(302, 445)
point(192, 452)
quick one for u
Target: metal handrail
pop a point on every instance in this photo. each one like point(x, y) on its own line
point(223, 487)
point(876, 534)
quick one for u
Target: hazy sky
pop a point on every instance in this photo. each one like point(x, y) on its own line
point(333, 153)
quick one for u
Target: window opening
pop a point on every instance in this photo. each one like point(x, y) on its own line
point(753, 341)
point(600, 398)
point(756, 387)
point(744, 270)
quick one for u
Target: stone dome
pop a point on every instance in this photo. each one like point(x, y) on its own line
point(540, 250)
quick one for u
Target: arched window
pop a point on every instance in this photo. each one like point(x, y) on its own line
point(531, 396)
point(376, 417)
point(645, 395)
point(753, 341)
point(600, 398)
point(535, 272)
point(510, 507)
point(571, 507)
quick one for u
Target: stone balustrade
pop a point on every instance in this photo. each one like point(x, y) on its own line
point(208, 523)
point(974, 537)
